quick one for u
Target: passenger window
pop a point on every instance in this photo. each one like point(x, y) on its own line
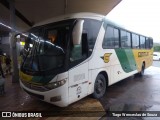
point(80, 51)
point(116, 38)
point(135, 41)
point(111, 38)
point(89, 35)
point(91, 27)
point(142, 42)
point(150, 42)
point(125, 39)
point(76, 53)
point(147, 43)
point(108, 41)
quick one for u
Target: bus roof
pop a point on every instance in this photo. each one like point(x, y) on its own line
point(83, 15)
point(71, 16)
point(110, 22)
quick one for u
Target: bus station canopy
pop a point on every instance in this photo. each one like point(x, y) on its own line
point(29, 12)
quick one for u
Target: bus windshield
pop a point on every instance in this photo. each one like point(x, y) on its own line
point(47, 52)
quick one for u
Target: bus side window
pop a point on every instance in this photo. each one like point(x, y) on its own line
point(76, 53)
point(150, 42)
point(125, 39)
point(91, 29)
point(108, 41)
point(116, 38)
point(147, 43)
point(142, 42)
point(135, 40)
point(80, 51)
point(89, 35)
point(111, 38)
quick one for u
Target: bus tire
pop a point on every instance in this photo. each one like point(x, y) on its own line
point(99, 86)
point(141, 73)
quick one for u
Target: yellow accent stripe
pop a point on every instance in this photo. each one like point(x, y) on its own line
point(25, 77)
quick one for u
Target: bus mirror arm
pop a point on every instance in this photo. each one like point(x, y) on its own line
point(77, 32)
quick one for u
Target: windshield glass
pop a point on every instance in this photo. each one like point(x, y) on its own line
point(46, 52)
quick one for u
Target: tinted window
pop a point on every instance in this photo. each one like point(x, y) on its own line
point(142, 42)
point(52, 48)
point(91, 29)
point(89, 35)
point(150, 42)
point(147, 43)
point(125, 39)
point(47, 53)
point(116, 38)
point(135, 41)
point(108, 38)
point(111, 38)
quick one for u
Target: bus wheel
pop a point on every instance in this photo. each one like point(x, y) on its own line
point(142, 70)
point(99, 86)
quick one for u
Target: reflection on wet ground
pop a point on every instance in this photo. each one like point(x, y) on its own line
point(15, 99)
point(135, 94)
point(156, 63)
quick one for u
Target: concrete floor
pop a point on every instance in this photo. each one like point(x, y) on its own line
point(131, 94)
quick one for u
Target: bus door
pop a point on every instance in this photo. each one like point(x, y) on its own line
point(78, 73)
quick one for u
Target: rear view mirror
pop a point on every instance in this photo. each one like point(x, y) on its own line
point(77, 32)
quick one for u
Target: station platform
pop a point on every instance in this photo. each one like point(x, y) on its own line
point(15, 99)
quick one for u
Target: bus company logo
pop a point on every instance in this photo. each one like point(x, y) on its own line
point(106, 57)
point(142, 54)
point(20, 114)
point(79, 89)
point(6, 114)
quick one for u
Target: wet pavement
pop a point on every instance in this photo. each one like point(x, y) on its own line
point(135, 94)
point(131, 94)
point(156, 63)
point(16, 100)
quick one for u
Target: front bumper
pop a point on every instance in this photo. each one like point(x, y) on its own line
point(57, 96)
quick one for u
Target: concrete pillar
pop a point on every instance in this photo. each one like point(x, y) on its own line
point(15, 74)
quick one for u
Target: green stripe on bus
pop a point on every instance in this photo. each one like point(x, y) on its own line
point(126, 59)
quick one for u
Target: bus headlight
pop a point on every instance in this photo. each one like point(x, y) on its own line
point(55, 84)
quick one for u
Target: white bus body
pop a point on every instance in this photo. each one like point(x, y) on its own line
point(85, 77)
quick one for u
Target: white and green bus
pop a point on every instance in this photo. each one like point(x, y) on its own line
point(72, 56)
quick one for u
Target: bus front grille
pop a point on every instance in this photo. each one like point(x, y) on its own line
point(35, 95)
point(34, 87)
